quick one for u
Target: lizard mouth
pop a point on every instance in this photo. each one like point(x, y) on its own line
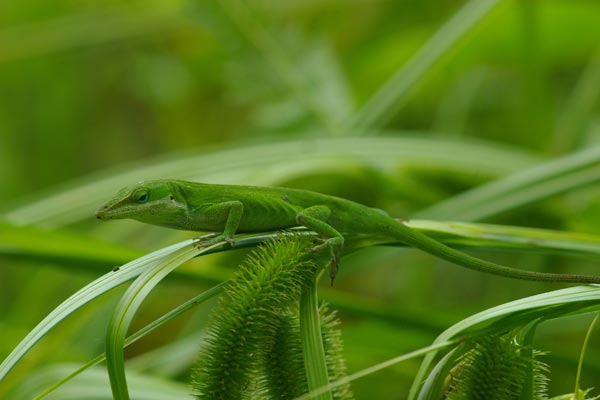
point(119, 210)
point(111, 211)
point(115, 208)
point(103, 213)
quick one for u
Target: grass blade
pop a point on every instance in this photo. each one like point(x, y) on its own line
point(312, 343)
point(582, 355)
point(578, 110)
point(126, 309)
point(390, 97)
point(202, 297)
point(554, 304)
point(375, 368)
point(94, 385)
point(86, 29)
point(62, 247)
point(83, 296)
point(509, 238)
point(520, 188)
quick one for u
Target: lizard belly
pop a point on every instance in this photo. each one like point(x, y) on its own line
point(267, 216)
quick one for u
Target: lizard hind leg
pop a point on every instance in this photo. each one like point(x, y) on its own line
point(315, 218)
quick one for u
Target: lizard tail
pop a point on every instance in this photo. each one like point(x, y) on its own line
point(423, 242)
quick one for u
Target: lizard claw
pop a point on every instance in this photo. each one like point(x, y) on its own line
point(205, 240)
point(316, 248)
point(322, 244)
point(333, 268)
point(212, 238)
point(335, 247)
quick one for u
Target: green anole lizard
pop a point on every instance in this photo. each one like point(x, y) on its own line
point(230, 209)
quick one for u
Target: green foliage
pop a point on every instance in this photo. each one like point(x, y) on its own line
point(489, 110)
point(127, 308)
point(525, 315)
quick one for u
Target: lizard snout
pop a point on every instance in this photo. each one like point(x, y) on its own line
point(101, 213)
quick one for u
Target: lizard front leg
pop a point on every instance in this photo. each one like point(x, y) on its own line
point(314, 218)
point(230, 213)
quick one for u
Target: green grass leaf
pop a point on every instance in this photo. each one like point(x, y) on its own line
point(312, 343)
point(127, 308)
point(83, 296)
point(136, 336)
point(549, 305)
point(389, 97)
point(521, 188)
point(509, 238)
point(61, 247)
point(86, 29)
point(93, 384)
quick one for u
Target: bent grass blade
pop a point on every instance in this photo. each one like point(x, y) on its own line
point(127, 308)
point(83, 296)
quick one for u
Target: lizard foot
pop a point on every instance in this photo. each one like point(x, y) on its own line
point(333, 267)
point(323, 243)
point(335, 246)
point(212, 238)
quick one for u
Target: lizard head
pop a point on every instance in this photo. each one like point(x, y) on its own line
point(152, 202)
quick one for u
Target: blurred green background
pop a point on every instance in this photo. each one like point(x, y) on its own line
point(93, 89)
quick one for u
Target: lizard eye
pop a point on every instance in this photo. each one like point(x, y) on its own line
point(142, 197)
